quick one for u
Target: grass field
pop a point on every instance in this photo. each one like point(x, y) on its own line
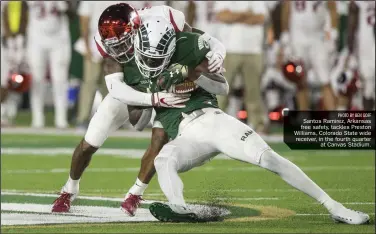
point(34, 167)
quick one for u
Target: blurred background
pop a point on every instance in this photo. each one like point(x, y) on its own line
point(279, 55)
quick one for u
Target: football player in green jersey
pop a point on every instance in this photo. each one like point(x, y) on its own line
point(126, 87)
point(201, 130)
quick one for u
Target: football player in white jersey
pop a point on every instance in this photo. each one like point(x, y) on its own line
point(273, 84)
point(49, 47)
point(112, 112)
point(204, 16)
point(14, 21)
point(361, 45)
point(303, 27)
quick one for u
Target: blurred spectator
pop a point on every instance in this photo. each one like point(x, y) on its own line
point(241, 29)
point(49, 47)
point(14, 20)
point(142, 4)
point(89, 12)
point(200, 14)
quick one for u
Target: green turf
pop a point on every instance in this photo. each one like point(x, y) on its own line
point(348, 176)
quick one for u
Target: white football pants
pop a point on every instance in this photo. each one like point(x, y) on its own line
point(109, 117)
point(366, 60)
point(58, 57)
point(201, 138)
point(314, 55)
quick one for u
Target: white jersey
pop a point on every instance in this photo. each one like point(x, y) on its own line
point(45, 19)
point(307, 19)
point(176, 18)
point(366, 24)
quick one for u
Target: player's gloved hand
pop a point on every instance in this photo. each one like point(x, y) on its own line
point(175, 74)
point(215, 61)
point(169, 100)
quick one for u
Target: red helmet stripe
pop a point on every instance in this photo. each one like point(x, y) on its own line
point(173, 22)
point(101, 50)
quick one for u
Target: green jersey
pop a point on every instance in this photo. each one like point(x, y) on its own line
point(133, 77)
point(190, 51)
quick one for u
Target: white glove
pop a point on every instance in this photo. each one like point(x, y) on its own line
point(215, 61)
point(169, 100)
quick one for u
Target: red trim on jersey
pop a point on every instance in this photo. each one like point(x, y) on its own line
point(101, 51)
point(173, 22)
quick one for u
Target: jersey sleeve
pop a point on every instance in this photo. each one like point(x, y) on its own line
point(176, 17)
point(191, 49)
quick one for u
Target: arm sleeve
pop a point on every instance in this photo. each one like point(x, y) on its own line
point(124, 93)
point(215, 45)
point(218, 85)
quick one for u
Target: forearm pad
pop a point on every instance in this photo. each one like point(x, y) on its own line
point(213, 83)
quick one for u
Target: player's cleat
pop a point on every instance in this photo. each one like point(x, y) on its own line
point(165, 213)
point(344, 215)
point(62, 203)
point(130, 204)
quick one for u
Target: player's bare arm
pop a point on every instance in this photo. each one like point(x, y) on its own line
point(285, 14)
point(228, 16)
point(84, 31)
point(332, 7)
point(352, 25)
point(253, 19)
point(191, 12)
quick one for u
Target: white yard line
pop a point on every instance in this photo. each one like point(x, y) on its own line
point(97, 198)
point(156, 192)
point(249, 198)
point(322, 214)
point(69, 132)
point(120, 153)
point(120, 133)
point(359, 203)
point(202, 169)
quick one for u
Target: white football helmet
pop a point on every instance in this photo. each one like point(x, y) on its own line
point(154, 46)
